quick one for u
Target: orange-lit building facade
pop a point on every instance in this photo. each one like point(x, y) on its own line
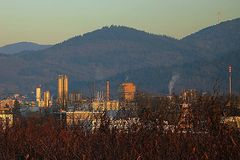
point(105, 105)
point(62, 88)
point(6, 102)
point(128, 91)
point(38, 96)
point(47, 99)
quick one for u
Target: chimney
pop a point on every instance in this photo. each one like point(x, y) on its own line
point(230, 80)
point(107, 90)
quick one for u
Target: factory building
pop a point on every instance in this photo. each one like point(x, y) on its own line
point(75, 97)
point(189, 95)
point(82, 117)
point(6, 102)
point(105, 105)
point(102, 101)
point(128, 92)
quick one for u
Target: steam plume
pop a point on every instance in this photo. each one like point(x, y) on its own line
point(172, 82)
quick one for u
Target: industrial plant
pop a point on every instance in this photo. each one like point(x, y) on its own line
point(73, 107)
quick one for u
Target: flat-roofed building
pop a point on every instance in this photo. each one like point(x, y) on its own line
point(128, 91)
point(105, 105)
point(75, 97)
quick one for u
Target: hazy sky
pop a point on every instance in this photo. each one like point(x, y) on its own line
point(52, 21)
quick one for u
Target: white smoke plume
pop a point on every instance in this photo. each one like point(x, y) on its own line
point(172, 82)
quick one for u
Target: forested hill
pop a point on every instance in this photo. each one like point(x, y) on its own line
point(120, 53)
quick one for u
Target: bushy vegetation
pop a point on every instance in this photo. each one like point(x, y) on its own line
point(47, 138)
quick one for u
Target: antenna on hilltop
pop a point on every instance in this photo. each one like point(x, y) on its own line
point(219, 17)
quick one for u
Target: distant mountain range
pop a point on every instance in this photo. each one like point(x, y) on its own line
point(22, 46)
point(123, 54)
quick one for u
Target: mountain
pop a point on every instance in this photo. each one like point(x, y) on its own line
point(22, 46)
point(120, 53)
point(217, 39)
point(203, 75)
point(101, 54)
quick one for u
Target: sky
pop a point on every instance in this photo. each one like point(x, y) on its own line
point(53, 21)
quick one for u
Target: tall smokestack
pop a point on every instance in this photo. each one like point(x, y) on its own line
point(107, 90)
point(230, 80)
